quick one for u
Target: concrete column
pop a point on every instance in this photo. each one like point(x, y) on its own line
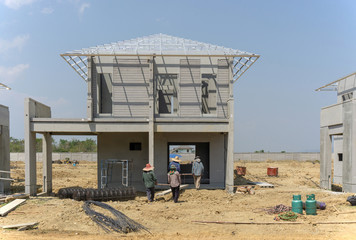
point(30, 150)
point(47, 162)
point(349, 147)
point(90, 108)
point(151, 131)
point(229, 171)
point(325, 158)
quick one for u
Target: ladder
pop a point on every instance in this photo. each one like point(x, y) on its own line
point(106, 171)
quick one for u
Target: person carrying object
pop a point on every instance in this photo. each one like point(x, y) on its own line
point(150, 181)
point(197, 171)
point(174, 181)
point(176, 162)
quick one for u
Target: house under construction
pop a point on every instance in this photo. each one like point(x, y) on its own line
point(146, 95)
point(338, 132)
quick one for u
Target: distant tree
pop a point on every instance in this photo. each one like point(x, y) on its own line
point(17, 145)
point(74, 145)
point(283, 151)
point(260, 151)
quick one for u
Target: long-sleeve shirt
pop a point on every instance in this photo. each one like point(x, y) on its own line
point(197, 168)
point(174, 179)
point(149, 179)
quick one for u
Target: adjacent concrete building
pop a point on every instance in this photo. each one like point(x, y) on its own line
point(4, 149)
point(338, 132)
point(145, 96)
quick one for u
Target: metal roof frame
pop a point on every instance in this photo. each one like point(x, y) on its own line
point(3, 86)
point(160, 45)
point(333, 85)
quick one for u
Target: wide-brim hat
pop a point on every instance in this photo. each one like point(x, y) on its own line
point(148, 167)
point(176, 159)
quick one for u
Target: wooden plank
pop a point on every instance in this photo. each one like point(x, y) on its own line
point(262, 184)
point(11, 206)
point(21, 225)
point(169, 190)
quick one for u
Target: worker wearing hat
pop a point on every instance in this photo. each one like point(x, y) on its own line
point(197, 171)
point(150, 181)
point(176, 162)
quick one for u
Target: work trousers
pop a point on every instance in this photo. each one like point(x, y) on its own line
point(150, 194)
point(197, 181)
point(175, 193)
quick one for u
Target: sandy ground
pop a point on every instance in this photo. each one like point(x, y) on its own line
point(65, 219)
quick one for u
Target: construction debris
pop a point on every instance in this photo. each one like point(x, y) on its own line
point(169, 190)
point(245, 189)
point(120, 223)
point(21, 227)
point(10, 206)
point(278, 209)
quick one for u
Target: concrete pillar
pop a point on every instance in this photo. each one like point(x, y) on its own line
point(229, 170)
point(90, 108)
point(151, 131)
point(47, 162)
point(325, 158)
point(30, 150)
point(349, 147)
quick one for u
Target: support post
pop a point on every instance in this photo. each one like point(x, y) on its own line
point(229, 171)
point(90, 114)
point(325, 158)
point(349, 148)
point(47, 162)
point(151, 130)
point(30, 150)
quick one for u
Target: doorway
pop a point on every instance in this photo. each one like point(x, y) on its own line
point(187, 151)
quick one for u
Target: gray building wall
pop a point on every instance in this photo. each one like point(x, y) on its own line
point(4, 147)
point(130, 84)
point(338, 149)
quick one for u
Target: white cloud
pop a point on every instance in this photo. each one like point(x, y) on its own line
point(18, 42)
point(83, 7)
point(16, 4)
point(9, 74)
point(47, 10)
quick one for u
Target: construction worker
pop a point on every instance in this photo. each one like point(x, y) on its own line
point(150, 181)
point(197, 171)
point(176, 162)
point(174, 181)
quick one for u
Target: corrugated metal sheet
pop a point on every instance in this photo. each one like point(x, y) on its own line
point(222, 88)
point(130, 87)
point(190, 88)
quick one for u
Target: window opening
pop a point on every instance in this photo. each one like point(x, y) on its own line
point(339, 157)
point(347, 96)
point(105, 93)
point(135, 146)
point(166, 85)
point(208, 94)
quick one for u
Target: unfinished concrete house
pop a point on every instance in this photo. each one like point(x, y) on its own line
point(338, 132)
point(146, 97)
point(4, 149)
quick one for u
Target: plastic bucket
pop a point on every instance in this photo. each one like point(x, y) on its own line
point(241, 170)
point(272, 171)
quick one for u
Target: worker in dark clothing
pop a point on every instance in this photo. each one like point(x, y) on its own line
point(150, 181)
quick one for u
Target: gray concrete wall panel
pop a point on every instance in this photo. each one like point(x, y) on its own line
point(331, 115)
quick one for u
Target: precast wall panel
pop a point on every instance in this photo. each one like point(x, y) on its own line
point(130, 87)
point(222, 88)
point(190, 88)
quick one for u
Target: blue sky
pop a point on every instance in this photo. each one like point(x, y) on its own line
point(303, 45)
